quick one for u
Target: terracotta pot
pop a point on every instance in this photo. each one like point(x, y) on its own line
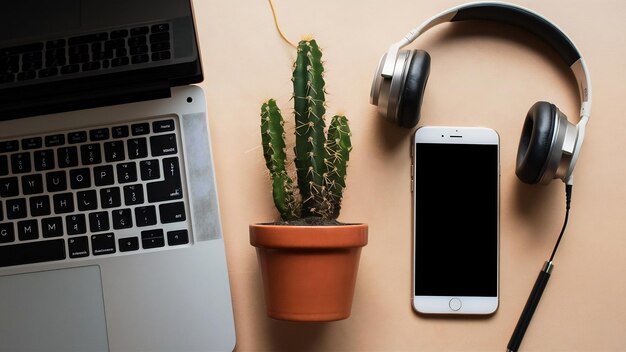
point(309, 272)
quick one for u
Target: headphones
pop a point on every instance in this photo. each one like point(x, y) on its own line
point(549, 145)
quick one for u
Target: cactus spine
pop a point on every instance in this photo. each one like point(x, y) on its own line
point(320, 160)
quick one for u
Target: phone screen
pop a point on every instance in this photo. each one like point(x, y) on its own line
point(456, 220)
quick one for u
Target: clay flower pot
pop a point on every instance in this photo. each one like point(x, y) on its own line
point(309, 272)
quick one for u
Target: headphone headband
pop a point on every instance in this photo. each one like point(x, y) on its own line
point(515, 15)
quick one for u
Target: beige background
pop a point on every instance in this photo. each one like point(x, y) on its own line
point(482, 74)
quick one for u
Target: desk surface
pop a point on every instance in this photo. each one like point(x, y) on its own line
point(483, 74)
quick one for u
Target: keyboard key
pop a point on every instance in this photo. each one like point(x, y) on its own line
point(163, 126)
point(32, 252)
point(78, 247)
point(114, 151)
point(32, 184)
point(176, 238)
point(55, 140)
point(4, 165)
point(110, 197)
point(63, 203)
point(16, 208)
point(161, 55)
point(136, 41)
point(80, 178)
point(152, 239)
point(52, 227)
point(20, 163)
point(8, 77)
point(9, 146)
point(103, 55)
point(29, 70)
point(172, 212)
point(128, 244)
point(137, 148)
point(120, 131)
point(159, 37)
point(139, 31)
point(75, 224)
point(145, 216)
point(99, 134)
point(126, 172)
point(92, 65)
point(103, 244)
point(87, 200)
point(70, 69)
point(8, 187)
point(161, 27)
point(122, 219)
point(7, 233)
point(122, 33)
point(163, 144)
point(55, 58)
point(44, 160)
point(48, 72)
point(39, 206)
point(67, 157)
point(162, 46)
point(31, 143)
point(171, 187)
point(120, 61)
point(77, 137)
point(140, 49)
point(121, 52)
point(103, 175)
point(114, 44)
point(27, 230)
point(133, 194)
point(56, 181)
point(140, 129)
point(99, 221)
point(149, 170)
point(26, 75)
point(139, 59)
point(90, 154)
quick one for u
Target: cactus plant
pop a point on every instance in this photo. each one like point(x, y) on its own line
point(321, 156)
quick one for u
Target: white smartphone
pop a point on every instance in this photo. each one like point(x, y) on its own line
point(456, 220)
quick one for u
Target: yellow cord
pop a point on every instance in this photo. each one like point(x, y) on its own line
point(278, 27)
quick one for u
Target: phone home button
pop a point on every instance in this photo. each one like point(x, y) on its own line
point(455, 304)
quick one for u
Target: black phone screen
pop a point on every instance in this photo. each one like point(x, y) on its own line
point(456, 220)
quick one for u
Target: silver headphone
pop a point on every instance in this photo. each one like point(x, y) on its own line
point(549, 144)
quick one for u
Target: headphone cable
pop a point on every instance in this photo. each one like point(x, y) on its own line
point(568, 200)
point(540, 285)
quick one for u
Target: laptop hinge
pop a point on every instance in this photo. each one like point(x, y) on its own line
point(50, 103)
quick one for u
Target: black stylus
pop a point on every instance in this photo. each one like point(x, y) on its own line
point(540, 285)
point(529, 308)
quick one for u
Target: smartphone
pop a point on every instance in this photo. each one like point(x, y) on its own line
point(456, 220)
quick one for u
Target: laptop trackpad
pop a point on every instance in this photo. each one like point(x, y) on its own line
point(57, 310)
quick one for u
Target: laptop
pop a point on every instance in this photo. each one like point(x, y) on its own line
point(110, 233)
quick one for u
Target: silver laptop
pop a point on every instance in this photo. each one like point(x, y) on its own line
point(110, 236)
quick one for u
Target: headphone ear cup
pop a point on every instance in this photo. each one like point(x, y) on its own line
point(412, 91)
point(535, 143)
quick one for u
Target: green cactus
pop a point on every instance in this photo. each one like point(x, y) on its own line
point(320, 160)
point(272, 135)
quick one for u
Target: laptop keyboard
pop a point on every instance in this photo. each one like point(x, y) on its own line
point(97, 51)
point(92, 192)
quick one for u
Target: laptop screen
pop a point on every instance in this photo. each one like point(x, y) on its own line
point(37, 19)
point(72, 54)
